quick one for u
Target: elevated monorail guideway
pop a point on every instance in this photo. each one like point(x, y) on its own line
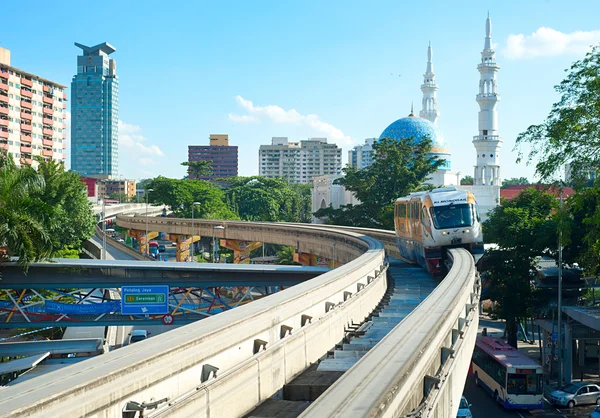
point(251, 352)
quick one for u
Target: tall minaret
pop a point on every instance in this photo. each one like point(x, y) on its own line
point(429, 108)
point(488, 142)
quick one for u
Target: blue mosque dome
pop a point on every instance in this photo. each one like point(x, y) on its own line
point(417, 128)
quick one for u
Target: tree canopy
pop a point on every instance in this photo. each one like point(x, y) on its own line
point(515, 181)
point(400, 167)
point(274, 200)
point(467, 180)
point(523, 229)
point(197, 169)
point(571, 132)
point(180, 195)
point(43, 213)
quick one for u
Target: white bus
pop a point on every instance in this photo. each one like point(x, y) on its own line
point(512, 378)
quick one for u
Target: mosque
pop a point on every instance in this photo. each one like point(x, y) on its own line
point(487, 143)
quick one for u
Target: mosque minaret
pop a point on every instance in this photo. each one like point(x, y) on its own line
point(488, 142)
point(429, 88)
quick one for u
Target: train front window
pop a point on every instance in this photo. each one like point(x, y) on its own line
point(452, 216)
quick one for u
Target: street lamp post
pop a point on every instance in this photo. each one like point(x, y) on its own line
point(192, 244)
point(103, 229)
point(147, 243)
point(214, 243)
point(560, 342)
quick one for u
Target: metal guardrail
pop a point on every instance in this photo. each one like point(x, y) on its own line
point(257, 347)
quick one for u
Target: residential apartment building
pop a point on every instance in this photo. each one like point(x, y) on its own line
point(223, 157)
point(107, 188)
point(361, 156)
point(95, 113)
point(300, 161)
point(32, 115)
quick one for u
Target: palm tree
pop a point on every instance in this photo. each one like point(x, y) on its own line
point(286, 256)
point(21, 233)
point(197, 169)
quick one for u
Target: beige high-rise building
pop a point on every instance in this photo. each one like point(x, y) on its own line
point(300, 161)
point(32, 115)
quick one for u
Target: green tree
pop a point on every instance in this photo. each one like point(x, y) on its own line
point(22, 233)
point(583, 231)
point(120, 196)
point(515, 181)
point(401, 167)
point(467, 180)
point(571, 132)
point(181, 194)
point(523, 229)
point(66, 214)
point(270, 200)
point(285, 256)
point(197, 169)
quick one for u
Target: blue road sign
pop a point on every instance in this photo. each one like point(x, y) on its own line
point(145, 300)
point(555, 336)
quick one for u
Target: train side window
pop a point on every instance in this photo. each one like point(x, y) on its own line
point(476, 208)
point(402, 210)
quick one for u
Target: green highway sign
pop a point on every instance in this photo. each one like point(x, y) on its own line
point(145, 300)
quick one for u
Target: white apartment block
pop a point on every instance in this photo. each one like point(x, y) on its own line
point(361, 156)
point(32, 115)
point(300, 161)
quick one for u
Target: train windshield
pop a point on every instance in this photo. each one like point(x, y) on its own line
point(452, 216)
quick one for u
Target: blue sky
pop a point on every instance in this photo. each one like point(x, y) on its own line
point(341, 69)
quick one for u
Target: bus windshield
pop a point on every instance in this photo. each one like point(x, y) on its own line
point(524, 384)
point(452, 216)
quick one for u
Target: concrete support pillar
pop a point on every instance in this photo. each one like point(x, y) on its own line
point(568, 358)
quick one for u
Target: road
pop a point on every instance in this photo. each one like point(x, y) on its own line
point(484, 406)
point(112, 253)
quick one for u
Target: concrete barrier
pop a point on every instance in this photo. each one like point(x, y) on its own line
point(419, 368)
point(248, 352)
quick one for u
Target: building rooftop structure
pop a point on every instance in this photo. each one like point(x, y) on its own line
point(510, 192)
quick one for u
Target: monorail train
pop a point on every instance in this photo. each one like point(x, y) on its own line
point(427, 223)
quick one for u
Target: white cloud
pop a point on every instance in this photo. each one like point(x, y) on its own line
point(279, 115)
point(129, 137)
point(242, 118)
point(546, 42)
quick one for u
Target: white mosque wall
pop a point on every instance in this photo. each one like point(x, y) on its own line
point(325, 194)
point(487, 197)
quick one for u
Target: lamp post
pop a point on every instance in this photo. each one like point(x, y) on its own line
point(147, 243)
point(103, 229)
point(333, 265)
point(192, 244)
point(214, 243)
point(560, 251)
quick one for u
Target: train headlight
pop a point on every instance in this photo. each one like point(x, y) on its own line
point(467, 230)
point(444, 233)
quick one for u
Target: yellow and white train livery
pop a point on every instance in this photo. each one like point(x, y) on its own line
point(429, 222)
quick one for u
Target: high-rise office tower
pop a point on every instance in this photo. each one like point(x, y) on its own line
point(32, 115)
point(95, 113)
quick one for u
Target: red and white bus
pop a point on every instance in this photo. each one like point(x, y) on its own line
point(512, 378)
